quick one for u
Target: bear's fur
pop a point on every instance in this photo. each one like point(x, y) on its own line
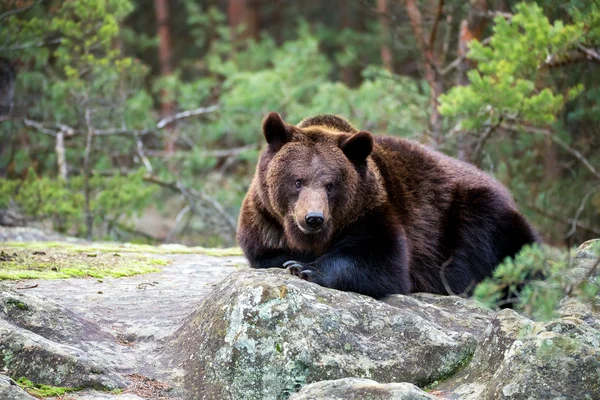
point(375, 215)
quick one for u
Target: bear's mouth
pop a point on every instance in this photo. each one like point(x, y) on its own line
point(309, 231)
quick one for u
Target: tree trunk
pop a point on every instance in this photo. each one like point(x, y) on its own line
point(164, 57)
point(430, 68)
point(384, 21)
point(244, 17)
point(350, 73)
point(470, 28)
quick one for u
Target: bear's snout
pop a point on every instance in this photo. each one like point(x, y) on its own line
point(311, 210)
point(314, 220)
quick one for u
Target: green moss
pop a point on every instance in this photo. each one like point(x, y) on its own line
point(558, 347)
point(36, 262)
point(42, 391)
point(16, 303)
point(126, 248)
point(428, 387)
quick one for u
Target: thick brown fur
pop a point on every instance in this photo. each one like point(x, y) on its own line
point(393, 216)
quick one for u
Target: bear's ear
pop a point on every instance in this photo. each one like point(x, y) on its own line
point(276, 131)
point(358, 146)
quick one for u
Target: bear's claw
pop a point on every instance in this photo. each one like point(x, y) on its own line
point(301, 271)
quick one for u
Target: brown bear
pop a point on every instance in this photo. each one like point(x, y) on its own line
point(375, 215)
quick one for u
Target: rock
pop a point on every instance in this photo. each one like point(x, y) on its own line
point(360, 389)
point(48, 319)
point(45, 362)
point(522, 359)
point(93, 395)
point(9, 390)
point(263, 334)
point(51, 345)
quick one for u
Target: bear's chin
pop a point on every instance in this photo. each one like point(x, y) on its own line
point(307, 241)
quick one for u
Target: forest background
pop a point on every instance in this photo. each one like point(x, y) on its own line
point(140, 120)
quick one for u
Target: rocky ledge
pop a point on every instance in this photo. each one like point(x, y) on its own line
point(237, 333)
point(268, 335)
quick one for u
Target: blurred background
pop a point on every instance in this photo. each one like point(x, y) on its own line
point(140, 120)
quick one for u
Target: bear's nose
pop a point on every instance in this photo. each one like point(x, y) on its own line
point(314, 219)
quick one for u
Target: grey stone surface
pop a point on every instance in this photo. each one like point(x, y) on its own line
point(360, 389)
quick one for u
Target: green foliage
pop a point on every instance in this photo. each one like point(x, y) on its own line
point(506, 81)
point(113, 199)
point(538, 278)
point(92, 65)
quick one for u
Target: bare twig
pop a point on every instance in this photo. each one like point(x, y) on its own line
point(119, 131)
point(555, 139)
point(443, 276)
point(483, 139)
point(454, 64)
point(591, 53)
point(191, 195)
point(182, 213)
point(142, 154)
point(587, 276)
point(61, 159)
point(186, 114)
point(494, 14)
point(562, 219)
point(39, 127)
point(24, 46)
point(18, 10)
point(580, 210)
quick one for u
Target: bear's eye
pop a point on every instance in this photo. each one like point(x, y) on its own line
point(298, 183)
point(329, 187)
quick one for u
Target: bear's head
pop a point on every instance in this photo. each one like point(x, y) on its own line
point(317, 178)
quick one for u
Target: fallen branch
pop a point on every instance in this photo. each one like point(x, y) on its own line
point(186, 114)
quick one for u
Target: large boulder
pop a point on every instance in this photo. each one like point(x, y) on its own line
point(265, 334)
point(522, 359)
